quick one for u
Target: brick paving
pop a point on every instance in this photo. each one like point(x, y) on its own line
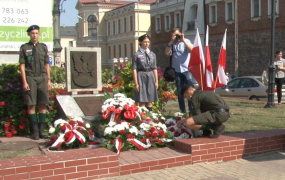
point(269, 166)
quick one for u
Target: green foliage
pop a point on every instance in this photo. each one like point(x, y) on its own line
point(127, 86)
point(107, 76)
point(14, 109)
point(57, 74)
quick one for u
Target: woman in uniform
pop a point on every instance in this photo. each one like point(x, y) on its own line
point(145, 74)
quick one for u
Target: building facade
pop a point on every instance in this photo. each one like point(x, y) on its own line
point(67, 39)
point(114, 26)
point(250, 52)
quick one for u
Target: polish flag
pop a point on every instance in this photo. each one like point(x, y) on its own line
point(221, 79)
point(197, 62)
point(209, 83)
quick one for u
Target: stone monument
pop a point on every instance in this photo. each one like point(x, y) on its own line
point(83, 73)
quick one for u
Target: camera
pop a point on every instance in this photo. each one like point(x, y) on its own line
point(178, 36)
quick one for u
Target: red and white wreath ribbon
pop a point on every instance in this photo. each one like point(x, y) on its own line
point(139, 144)
point(118, 145)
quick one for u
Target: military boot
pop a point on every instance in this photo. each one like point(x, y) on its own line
point(35, 132)
point(218, 130)
point(41, 130)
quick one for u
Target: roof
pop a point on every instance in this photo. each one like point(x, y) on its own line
point(119, 3)
point(67, 31)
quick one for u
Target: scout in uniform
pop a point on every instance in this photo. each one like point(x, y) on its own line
point(210, 111)
point(35, 74)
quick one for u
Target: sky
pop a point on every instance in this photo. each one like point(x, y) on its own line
point(69, 17)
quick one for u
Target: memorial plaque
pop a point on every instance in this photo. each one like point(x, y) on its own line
point(90, 105)
point(83, 69)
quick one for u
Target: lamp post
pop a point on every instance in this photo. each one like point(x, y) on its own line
point(271, 68)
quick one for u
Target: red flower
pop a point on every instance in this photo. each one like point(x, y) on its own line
point(172, 129)
point(130, 114)
point(161, 133)
point(152, 129)
point(106, 114)
point(22, 126)
point(71, 122)
point(112, 141)
point(14, 131)
point(176, 134)
point(172, 123)
point(142, 113)
point(146, 134)
point(7, 125)
point(24, 111)
point(2, 103)
point(130, 136)
point(63, 128)
point(154, 134)
point(118, 111)
point(122, 132)
point(9, 119)
point(140, 121)
point(178, 118)
point(52, 95)
point(126, 107)
point(80, 123)
point(23, 120)
point(143, 140)
point(134, 107)
point(90, 132)
point(111, 108)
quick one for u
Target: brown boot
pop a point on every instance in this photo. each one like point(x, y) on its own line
point(218, 130)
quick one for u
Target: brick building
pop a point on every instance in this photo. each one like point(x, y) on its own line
point(254, 29)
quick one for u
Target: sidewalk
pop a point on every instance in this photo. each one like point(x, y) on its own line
point(268, 166)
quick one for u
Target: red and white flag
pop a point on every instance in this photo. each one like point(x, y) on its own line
point(209, 80)
point(221, 79)
point(197, 62)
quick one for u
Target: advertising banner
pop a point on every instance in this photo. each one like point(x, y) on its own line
point(15, 18)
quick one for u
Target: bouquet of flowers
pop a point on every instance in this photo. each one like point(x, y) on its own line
point(71, 133)
point(132, 127)
point(183, 132)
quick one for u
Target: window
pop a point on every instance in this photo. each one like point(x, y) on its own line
point(125, 24)
point(70, 44)
point(114, 27)
point(255, 8)
point(109, 28)
point(120, 53)
point(157, 24)
point(119, 26)
point(167, 22)
point(125, 48)
point(269, 7)
point(177, 20)
point(92, 25)
point(114, 51)
point(131, 23)
point(132, 49)
point(229, 11)
point(109, 52)
point(213, 13)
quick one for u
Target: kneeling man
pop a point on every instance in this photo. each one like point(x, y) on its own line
point(210, 111)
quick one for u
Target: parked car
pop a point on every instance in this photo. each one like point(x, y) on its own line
point(246, 87)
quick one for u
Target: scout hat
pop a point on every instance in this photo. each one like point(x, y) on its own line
point(33, 27)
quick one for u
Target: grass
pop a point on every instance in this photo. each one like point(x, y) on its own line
point(246, 115)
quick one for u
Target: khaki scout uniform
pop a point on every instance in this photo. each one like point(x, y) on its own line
point(35, 58)
point(209, 108)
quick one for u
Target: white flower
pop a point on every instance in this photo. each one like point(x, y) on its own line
point(134, 130)
point(178, 114)
point(59, 121)
point(51, 130)
point(109, 130)
point(145, 126)
point(125, 125)
point(118, 95)
point(104, 107)
point(141, 132)
point(119, 127)
point(78, 119)
point(112, 123)
point(87, 125)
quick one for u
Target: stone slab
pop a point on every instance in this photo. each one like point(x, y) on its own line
point(69, 105)
point(90, 105)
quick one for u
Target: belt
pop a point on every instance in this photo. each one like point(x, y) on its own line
point(222, 110)
point(35, 74)
point(145, 70)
